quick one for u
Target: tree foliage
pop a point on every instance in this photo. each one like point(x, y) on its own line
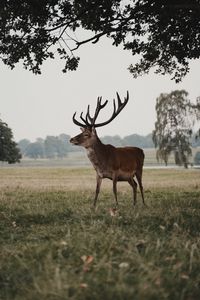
point(174, 126)
point(197, 158)
point(196, 108)
point(34, 150)
point(165, 34)
point(8, 148)
point(23, 144)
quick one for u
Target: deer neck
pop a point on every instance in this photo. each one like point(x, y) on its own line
point(96, 148)
point(96, 153)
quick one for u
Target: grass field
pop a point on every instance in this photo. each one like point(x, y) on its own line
point(53, 246)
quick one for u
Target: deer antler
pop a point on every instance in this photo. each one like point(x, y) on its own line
point(89, 121)
point(98, 108)
point(120, 106)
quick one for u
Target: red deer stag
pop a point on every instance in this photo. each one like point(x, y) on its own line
point(117, 164)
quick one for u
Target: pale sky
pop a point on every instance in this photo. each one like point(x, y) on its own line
point(39, 105)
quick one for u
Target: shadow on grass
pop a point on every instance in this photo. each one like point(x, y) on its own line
point(41, 219)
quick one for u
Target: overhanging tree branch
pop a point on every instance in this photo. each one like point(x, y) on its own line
point(166, 35)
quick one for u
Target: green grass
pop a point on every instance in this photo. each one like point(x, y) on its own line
point(47, 231)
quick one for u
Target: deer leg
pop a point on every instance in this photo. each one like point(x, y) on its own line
point(98, 185)
point(115, 190)
point(139, 179)
point(133, 184)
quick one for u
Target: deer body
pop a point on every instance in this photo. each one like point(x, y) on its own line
point(115, 163)
point(109, 161)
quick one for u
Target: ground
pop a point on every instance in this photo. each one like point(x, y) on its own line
point(54, 246)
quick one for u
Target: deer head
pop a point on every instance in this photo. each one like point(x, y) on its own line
point(86, 139)
point(88, 123)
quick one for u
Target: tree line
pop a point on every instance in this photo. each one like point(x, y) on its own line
point(59, 146)
point(50, 147)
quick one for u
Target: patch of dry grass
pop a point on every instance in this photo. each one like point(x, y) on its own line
point(85, 179)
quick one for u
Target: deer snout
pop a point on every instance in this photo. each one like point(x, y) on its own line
point(72, 140)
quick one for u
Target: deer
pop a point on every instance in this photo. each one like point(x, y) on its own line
point(115, 163)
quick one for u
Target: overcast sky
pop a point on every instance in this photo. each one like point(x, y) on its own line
point(40, 105)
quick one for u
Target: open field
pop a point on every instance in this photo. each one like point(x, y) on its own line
point(54, 246)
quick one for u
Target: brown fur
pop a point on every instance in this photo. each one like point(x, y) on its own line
point(117, 164)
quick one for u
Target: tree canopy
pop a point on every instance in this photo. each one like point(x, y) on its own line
point(163, 34)
point(8, 148)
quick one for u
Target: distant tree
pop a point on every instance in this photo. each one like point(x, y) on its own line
point(197, 158)
point(196, 108)
point(138, 140)
point(35, 150)
point(163, 155)
point(195, 139)
point(164, 34)
point(60, 149)
point(113, 140)
point(173, 128)
point(130, 140)
point(133, 140)
point(9, 151)
point(64, 145)
point(23, 144)
point(56, 146)
point(40, 140)
point(148, 141)
point(50, 146)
